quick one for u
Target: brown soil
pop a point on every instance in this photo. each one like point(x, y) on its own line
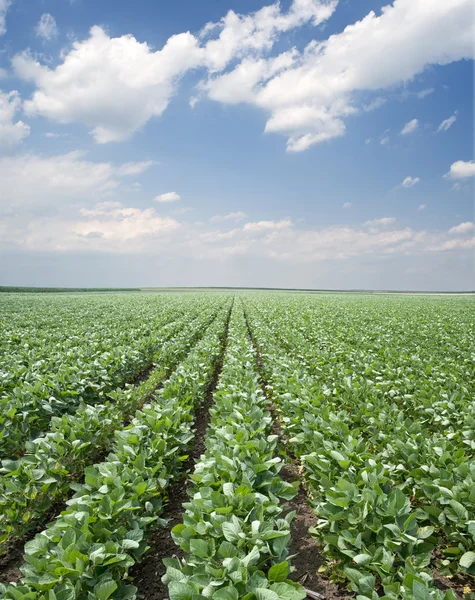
point(455, 583)
point(12, 558)
point(148, 574)
point(11, 561)
point(307, 558)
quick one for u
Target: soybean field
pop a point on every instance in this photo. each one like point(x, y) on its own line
point(237, 445)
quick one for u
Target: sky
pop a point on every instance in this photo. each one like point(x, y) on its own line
point(321, 144)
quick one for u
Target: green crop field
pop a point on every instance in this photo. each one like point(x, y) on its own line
point(237, 445)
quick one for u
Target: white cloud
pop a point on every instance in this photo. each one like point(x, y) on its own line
point(111, 226)
point(265, 226)
point(11, 132)
point(456, 245)
point(46, 27)
point(240, 35)
point(114, 222)
point(167, 197)
point(4, 6)
point(85, 86)
point(348, 205)
point(309, 100)
point(375, 104)
point(232, 216)
point(382, 222)
point(447, 124)
point(384, 141)
point(52, 134)
point(423, 93)
point(466, 227)
point(410, 182)
point(461, 170)
point(133, 168)
point(410, 127)
point(38, 182)
point(422, 207)
point(308, 95)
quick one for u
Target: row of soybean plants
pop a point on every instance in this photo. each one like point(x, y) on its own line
point(89, 548)
point(32, 485)
point(235, 531)
point(59, 350)
point(390, 470)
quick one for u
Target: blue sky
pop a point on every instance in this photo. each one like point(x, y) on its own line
point(308, 144)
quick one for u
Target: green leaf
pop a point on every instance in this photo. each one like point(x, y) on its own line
point(199, 547)
point(420, 591)
point(467, 560)
point(265, 594)
point(279, 572)
point(227, 550)
point(362, 559)
point(180, 591)
point(287, 591)
point(105, 588)
point(226, 593)
point(38, 545)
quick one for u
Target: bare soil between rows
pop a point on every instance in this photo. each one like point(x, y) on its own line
point(147, 575)
point(307, 558)
point(12, 558)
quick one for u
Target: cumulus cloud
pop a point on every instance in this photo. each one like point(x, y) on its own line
point(461, 170)
point(410, 127)
point(447, 124)
point(11, 132)
point(466, 227)
point(85, 86)
point(347, 205)
point(310, 100)
point(307, 94)
point(232, 216)
point(46, 27)
point(384, 141)
point(97, 71)
point(410, 182)
point(422, 207)
point(241, 35)
point(167, 197)
point(4, 6)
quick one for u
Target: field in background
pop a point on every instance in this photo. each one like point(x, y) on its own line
point(326, 440)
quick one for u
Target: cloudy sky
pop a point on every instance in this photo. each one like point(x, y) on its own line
point(311, 143)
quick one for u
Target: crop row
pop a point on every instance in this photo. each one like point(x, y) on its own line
point(235, 534)
point(77, 360)
point(33, 484)
point(87, 551)
point(389, 483)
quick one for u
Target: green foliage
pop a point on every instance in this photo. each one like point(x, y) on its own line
point(235, 533)
point(375, 396)
point(87, 551)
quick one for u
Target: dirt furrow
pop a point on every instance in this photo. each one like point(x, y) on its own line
point(307, 559)
point(12, 558)
point(148, 574)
